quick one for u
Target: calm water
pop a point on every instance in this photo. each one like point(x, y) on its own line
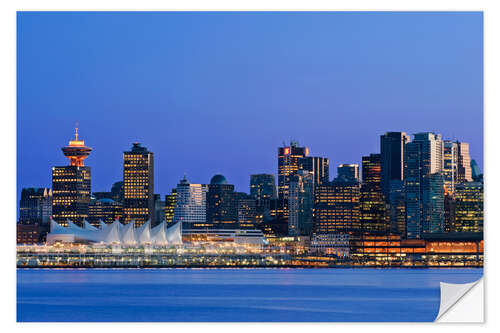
point(233, 294)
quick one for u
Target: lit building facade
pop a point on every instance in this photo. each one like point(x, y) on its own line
point(372, 202)
point(105, 210)
point(191, 206)
point(348, 172)
point(336, 207)
point(71, 185)
point(138, 185)
point(319, 167)
point(469, 207)
point(170, 200)
point(35, 206)
point(450, 165)
point(288, 164)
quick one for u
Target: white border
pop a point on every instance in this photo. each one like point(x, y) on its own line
point(8, 135)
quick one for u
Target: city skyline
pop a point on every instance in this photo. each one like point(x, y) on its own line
point(230, 112)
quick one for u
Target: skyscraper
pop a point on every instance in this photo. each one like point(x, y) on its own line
point(464, 171)
point(35, 206)
point(336, 207)
point(71, 185)
point(319, 167)
point(433, 203)
point(191, 206)
point(372, 202)
point(138, 185)
point(170, 200)
point(301, 203)
point(348, 172)
point(424, 157)
point(222, 204)
point(450, 165)
point(392, 158)
point(288, 163)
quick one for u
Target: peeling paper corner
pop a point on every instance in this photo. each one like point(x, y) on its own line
point(461, 303)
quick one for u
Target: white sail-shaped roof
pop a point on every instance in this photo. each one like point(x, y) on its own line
point(128, 234)
point(73, 226)
point(174, 235)
point(88, 226)
point(56, 227)
point(143, 233)
point(102, 225)
point(158, 235)
point(112, 233)
point(116, 233)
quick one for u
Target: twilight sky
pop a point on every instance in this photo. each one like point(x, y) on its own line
point(219, 92)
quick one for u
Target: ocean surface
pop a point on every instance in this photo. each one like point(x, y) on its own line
point(225, 295)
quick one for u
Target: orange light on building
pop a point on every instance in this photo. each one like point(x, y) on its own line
point(287, 151)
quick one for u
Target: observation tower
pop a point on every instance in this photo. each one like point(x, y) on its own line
point(76, 151)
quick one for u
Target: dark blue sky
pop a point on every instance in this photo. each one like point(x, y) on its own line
point(219, 92)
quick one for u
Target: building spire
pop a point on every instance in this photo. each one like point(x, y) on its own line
point(76, 131)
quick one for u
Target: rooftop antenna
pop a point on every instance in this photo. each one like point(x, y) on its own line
point(76, 131)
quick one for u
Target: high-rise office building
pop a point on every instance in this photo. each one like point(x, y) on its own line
point(71, 185)
point(469, 207)
point(106, 210)
point(35, 206)
point(170, 200)
point(372, 202)
point(263, 190)
point(301, 203)
point(262, 187)
point(424, 157)
point(464, 171)
point(288, 164)
point(450, 165)
point(138, 185)
point(348, 172)
point(319, 167)
point(191, 206)
point(336, 207)
point(392, 158)
point(222, 204)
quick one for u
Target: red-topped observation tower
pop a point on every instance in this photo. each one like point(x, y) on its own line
point(76, 151)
